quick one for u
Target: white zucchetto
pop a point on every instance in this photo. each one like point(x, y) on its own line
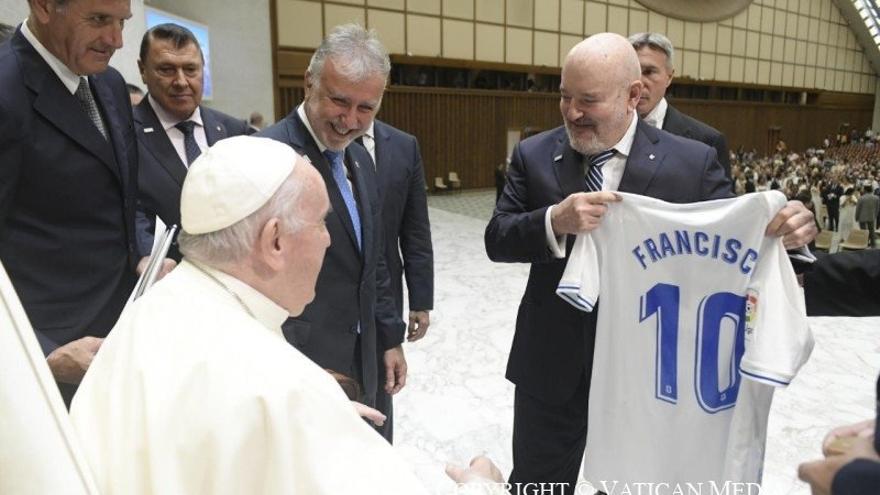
point(231, 180)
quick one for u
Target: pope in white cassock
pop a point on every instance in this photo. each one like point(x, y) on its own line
point(195, 390)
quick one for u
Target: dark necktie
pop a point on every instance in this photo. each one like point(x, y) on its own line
point(189, 141)
point(338, 169)
point(87, 101)
point(594, 174)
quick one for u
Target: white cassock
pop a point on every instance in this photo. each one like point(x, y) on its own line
point(191, 394)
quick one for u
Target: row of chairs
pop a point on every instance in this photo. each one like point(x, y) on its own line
point(454, 183)
point(856, 240)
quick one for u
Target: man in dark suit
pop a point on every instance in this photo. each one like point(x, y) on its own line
point(401, 179)
point(352, 318)
point(535, 221)
point(831, 193)
point(656, 59)
point(68, 178)
point(172, 126)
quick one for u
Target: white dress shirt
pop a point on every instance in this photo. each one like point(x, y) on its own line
point(657, 116)
point(67, 76)
point(612, 173)
point(369, 140)
point(176, 136)
point(301, 111)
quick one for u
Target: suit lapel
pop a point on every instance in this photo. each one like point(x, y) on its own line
point(384, 155)
point(568, 165)
point(157, 142)
point(673, 123)
point(644, 160)
point(214, 129)
point(358, 172)
point(302, 142)
point(104, 97)
point(62, 109)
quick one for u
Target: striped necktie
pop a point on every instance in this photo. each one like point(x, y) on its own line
point(87, 102)
point(594, 174)
point(190, 146)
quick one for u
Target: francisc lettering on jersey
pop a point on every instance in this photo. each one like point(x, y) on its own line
point(695, 243)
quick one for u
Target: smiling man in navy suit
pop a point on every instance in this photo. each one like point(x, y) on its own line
point(172, 126)
point(548, 200)
point(68, 177)
point(352, 326)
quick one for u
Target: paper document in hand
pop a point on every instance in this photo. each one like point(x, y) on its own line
point(160, 250)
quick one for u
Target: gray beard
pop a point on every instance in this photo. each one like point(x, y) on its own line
point(589, 146)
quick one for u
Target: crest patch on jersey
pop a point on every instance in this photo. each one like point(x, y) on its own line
point(752, 296)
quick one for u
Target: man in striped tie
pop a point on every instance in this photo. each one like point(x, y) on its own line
point(559, 184)
point(172, 126)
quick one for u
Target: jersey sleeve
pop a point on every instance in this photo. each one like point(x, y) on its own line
point(778, 340)
point(579, 284)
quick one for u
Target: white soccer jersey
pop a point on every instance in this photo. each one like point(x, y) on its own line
point(694, 298)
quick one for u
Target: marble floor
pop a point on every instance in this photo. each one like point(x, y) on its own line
point(457, 403)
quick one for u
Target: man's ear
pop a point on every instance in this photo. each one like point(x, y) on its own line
point(269, 244)
point(308, 82)
point(40, 8)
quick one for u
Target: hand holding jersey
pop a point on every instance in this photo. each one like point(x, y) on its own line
point(580, 212)
point(795, 224)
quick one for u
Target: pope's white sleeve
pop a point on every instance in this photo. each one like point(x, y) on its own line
point(579, 284)
point(778, 340)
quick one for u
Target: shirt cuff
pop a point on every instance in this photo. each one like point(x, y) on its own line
point(556, 244)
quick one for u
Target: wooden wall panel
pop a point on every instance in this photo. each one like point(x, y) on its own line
point(802, 126)
point(466, 130)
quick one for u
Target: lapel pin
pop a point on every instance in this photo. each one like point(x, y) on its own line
point(356, 164)
point(557, 158)
point(651, 156)
point(219, 128)
point(148, 129)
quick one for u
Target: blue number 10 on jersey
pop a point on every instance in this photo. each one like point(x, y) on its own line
point(699, 317)
point(663, 301)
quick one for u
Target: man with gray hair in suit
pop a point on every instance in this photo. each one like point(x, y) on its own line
point(353, 326)
point(656, 57)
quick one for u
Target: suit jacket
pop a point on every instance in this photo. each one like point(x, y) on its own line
point(831, 196)
point(161, 173)
point(353, 287)
point(67, 197)
point(686, 126)
point(553, 342)
point(844, 284)
point(405, 213)
point(867, 208)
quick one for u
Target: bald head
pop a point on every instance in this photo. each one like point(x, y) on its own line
point(600, 89)
point(608, 53)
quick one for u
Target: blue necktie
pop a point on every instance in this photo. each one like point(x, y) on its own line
point(189, 141)
point(338, 169)
point(594, 174)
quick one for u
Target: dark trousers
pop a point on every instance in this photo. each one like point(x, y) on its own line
point(870, 227)
point(384, 402)
point(548, 443)
point(833, 219)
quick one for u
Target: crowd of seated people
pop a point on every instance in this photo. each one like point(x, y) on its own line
point(834, 175)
